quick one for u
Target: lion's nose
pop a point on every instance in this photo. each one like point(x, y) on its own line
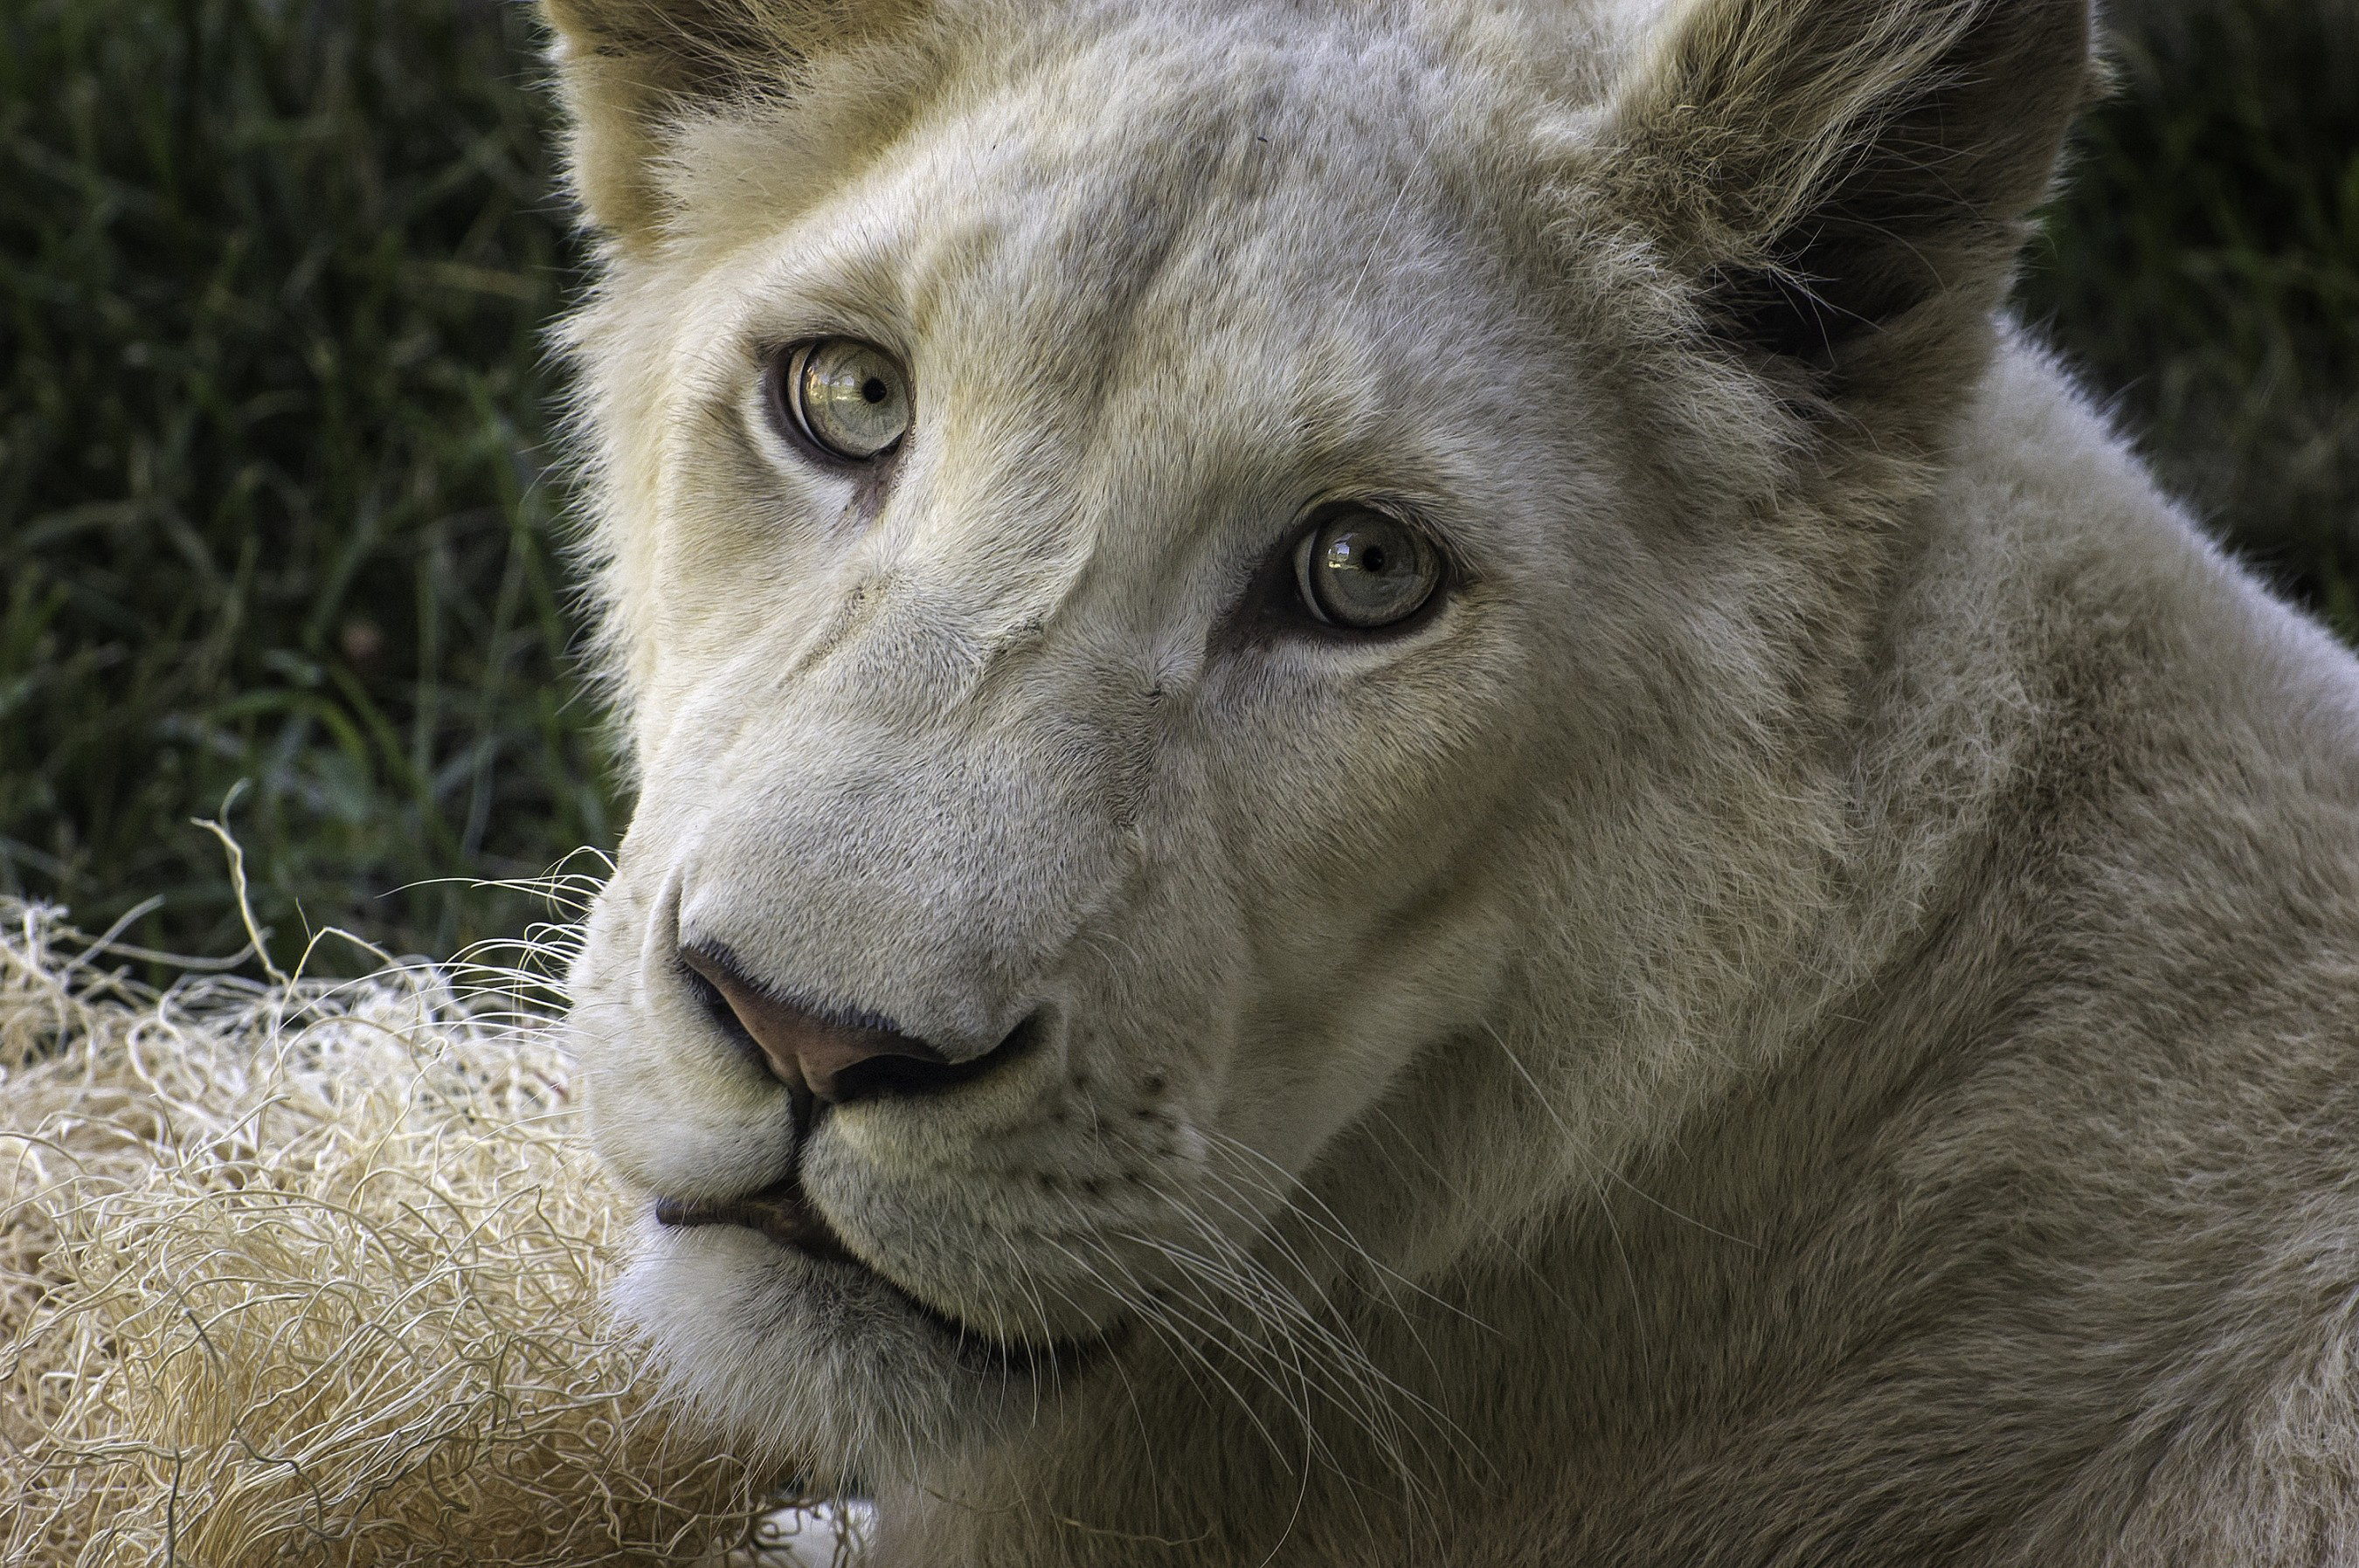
point(833, 1059)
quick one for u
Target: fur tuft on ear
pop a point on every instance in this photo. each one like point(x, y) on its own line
point(1826, 166)
point(628, 69)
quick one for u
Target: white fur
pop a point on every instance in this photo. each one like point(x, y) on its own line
point(1803, 1019)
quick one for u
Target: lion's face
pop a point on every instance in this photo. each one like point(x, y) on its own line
point(1027, 736)
point(1151, 612)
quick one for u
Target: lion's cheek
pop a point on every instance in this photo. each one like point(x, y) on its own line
point(1037, 1239)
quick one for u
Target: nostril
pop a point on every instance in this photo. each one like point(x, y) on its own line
point(892, 1074)
point(913, 1074)
point(724, 1017)
point(832, 1055)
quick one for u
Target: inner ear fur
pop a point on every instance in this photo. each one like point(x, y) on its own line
point(629, 69)
point(1824, 168)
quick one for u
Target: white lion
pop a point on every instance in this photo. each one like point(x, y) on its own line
point(1405, 800)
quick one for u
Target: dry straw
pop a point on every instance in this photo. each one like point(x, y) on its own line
point(294, 1272)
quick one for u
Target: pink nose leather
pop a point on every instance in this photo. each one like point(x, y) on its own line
point(806, 1051)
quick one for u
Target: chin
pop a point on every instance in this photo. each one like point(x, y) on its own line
point(816, 1364)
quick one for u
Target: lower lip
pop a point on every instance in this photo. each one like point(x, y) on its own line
point(780, 1212)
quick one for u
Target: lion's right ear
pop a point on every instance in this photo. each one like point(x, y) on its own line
point(628, 69)
point(1824, 168)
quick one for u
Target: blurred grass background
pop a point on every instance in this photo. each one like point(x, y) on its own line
point(275, 504)
point(275, 514)
point(2204, 268)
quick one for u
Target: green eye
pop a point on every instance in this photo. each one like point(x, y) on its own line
point(1363, 569)
point(851, 398)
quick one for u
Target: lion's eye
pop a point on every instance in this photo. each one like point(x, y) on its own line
point(849, 397)
point(1364, 571)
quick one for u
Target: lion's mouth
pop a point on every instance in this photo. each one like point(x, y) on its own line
point(783, 1213)
point(780, 1212)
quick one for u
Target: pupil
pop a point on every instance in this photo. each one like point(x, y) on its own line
point(872, 389)
point(1372, 557)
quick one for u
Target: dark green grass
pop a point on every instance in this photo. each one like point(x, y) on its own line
point(274, 413)
point(273, 506)
point(2204, 266)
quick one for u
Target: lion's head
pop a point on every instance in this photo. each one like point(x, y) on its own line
point(1237, 622)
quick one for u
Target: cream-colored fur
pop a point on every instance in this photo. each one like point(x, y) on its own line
point(1803, 1017)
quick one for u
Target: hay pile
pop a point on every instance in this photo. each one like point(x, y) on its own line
point(303, 1273)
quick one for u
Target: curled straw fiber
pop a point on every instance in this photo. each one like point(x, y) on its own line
point(309, 1273)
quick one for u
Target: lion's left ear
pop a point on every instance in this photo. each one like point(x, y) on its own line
point(630, 69)
point(1825, 167)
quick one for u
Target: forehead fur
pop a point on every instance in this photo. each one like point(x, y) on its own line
point(1357, 90)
